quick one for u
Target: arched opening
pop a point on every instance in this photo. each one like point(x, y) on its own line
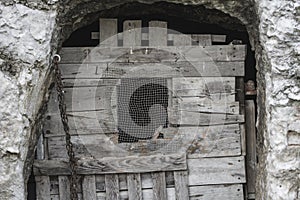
point(212, 22)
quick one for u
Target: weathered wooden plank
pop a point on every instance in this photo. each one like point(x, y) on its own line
point(105, 71)
point(112, 187)
point(251, 145)
point(88, 122)
point(108, 32)
point(210, 141)
point(203, 119)
point(206, 106)
point(213, 141)
point(210, 192)
point(225, 170)
point(181, 185)
point(200, 86)
point(218, 38)
point(64, 187)
point(42, 187)
point(159, 186)
point(40, 153)
point(129, 164)
point(182, 40)
point(202, 40)
point(89, 187)
point(132, 35)
point(192, 54)
point(134, 187)
point(158, 33)
point(216, 192)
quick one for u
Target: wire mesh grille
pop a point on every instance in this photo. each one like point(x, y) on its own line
point(142, 108)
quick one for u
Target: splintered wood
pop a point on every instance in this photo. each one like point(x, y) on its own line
point(199, 155)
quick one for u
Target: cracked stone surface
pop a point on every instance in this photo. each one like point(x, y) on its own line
point(30, 30)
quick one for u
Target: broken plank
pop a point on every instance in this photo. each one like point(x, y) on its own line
point(158, 33)
point(227, 170)
point(130, 164)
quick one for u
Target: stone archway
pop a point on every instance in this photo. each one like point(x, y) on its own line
point(33, 31)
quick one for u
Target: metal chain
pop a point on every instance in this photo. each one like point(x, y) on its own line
point(64, 120)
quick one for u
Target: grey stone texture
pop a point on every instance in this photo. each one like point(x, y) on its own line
point(32, 30)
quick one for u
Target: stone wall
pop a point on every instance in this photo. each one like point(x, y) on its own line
point(30, 30)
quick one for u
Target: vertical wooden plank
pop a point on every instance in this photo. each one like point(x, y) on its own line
point(240, 97)
point(251, 144)
point(202, 40)
point(40, 148)
point(64, 187)
point(182, 40)
point(158, 33)
point(132, 35)
point(42, 187)
point(108, 28)
point(159, 186)
point(181, 185)
point(112, 187)
point(134, 187)
point(89, 188)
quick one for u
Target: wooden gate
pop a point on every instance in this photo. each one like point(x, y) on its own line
point(199, 154)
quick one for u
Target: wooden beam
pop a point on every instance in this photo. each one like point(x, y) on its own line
point(129, 164)
point(64, 187)
point(89, 187)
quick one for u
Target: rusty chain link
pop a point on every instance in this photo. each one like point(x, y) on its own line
point(64, 120)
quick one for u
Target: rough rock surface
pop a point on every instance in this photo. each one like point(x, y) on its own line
point(31, 29)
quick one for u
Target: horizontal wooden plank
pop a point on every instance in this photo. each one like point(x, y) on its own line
point(111, 54)
point(210, 141)
point(130, 164)
point(209, 192)
point(207, 107)
point(226, 170)
point(194, 86)
point(139, 70)
point(145, 36)
point(188, 118)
